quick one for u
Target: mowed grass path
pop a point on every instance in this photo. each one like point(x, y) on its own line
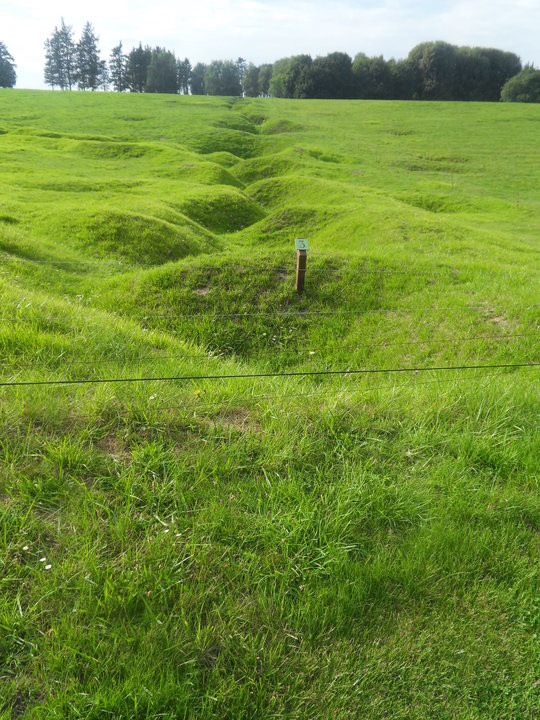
point(316, 547)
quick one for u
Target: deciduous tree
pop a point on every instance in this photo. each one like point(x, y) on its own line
point(250, 82)
point(183, 68)
point(198, 79)
point(162, 74)
point(523, 87)
point(222, 77)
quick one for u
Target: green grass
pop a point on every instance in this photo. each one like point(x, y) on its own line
point(317, 547)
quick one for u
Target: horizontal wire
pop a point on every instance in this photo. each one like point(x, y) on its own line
point(341, 393)
point(181, 356)
point(240, 376)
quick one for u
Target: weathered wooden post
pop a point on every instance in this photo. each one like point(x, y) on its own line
point(301, 263)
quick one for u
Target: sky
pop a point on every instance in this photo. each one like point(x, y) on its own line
point(265, 30)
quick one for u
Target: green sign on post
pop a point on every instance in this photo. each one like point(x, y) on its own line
point(301, 261)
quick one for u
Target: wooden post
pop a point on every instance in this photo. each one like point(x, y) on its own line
point(301, 263)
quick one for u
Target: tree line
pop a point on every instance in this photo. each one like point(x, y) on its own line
point(431, 71)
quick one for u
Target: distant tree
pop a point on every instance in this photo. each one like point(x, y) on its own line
point(502, 67)
point(402, 84)
point(183, 69)
point(250, 81)
point(118, 69)
point(198, 79)
point(138, 63)
point(60, 65)
point(433, 66)
point(292, 77)
point(445, 72)
point(89, 67)
point(472, 74)
point(372, 78)
point(103, 75)
point(222, 77)
point(332, 76)
point(241, 67)
point(8, 76)
point(380, 79)
point(523, 87)
point(162, 74)
point(265, 75)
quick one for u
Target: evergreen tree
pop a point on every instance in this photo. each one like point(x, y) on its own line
point(103, 75)
point(60, 67)
point(8, 76)
point(162, 74)
point(137, 68)
point(198, 79)
point(183, 69)
point(118, 69)
point(88, 64)
point(67, 54)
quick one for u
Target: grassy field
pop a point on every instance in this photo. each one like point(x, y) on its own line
point(303, 546)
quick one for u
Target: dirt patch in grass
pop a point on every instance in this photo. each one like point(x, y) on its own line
point(239, 419)
point(114, 447)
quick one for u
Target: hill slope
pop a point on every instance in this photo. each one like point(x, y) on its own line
point(285, 546)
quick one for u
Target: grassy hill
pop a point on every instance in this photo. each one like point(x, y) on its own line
point(292, 546)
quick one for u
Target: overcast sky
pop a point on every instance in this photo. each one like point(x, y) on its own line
point(264, 30)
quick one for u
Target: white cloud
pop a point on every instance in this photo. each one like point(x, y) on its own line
point(262, 30)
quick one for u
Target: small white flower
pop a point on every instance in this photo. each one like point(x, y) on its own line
point(152, 397)
point(25, 547)
point(48, 567)
point(166, 530)
point(312, 352)
point(178, 534)
point(42, 559)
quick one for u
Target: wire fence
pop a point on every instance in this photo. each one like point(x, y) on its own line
point(253, 376)
point(196, 403)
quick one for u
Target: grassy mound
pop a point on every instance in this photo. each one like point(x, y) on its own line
point(266, 166)
point(111, 150)
point(136, 238)
point(226, 159)
point(239, 143)
point(277, 126)
point(192, 170)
